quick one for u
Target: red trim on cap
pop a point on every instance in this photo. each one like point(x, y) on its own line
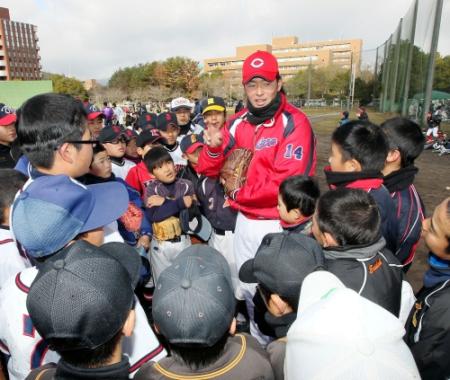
point(8, 119)
point(94, 115)
point(193, 147)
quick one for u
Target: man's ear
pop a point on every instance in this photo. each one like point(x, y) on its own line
point(279, 84)
point(66, 151)
point(184, 156)
point(329, 240)
point(128, 327)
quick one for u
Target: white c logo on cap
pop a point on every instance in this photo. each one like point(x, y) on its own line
point(257, 63)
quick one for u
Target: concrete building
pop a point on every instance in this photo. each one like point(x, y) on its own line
point(19, 50)
point(293, 56)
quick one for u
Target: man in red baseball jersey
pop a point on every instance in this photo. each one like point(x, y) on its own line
point(283, 145)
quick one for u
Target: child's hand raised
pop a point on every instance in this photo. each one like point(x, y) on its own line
point(155, 200)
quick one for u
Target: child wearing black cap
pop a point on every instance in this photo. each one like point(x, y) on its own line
point(94, 118)
point(190, 146)
point(88, 333)
point(131, 148)
point(167, 125)
point(166, 197)
point(114, 140)
point(281, 263)
point(138, 176)
point(193, 309)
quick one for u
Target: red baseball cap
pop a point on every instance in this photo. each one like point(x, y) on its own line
point(7, 115)
point(260, 64)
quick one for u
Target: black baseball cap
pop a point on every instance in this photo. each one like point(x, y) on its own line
point(165, 119)
point(149, 136)
point(281, 263)
point(83, 294)
point(193, 302)
point(130, 133)
point(190, 143)
point(111, 133)
point(214, 103)
point(147, 120)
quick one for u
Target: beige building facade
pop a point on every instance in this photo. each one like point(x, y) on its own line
point(292, 56)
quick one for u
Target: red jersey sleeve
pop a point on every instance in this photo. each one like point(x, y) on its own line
point(296, 154)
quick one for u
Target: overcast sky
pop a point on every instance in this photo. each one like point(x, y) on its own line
point(93, 38)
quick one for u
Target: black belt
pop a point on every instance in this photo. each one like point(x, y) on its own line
point(175, 239)
point(218, 231)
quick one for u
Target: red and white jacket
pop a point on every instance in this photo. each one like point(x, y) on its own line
point(282, 147)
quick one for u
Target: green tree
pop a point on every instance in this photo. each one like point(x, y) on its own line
point(180, 73)
point(441, 80)
point(66, 85)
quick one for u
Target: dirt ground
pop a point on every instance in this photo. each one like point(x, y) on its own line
point(432, 181)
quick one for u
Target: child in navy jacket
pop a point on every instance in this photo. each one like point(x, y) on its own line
point(406, 143)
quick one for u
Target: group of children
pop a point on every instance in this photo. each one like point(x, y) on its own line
point(349, 246)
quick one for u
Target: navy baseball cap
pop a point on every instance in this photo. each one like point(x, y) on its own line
point(165, 119)
point(92, 111)
point(7, 115)
point(281, 263)
point(147, 120)
point(83, 295)
point(130, 133)
point(190, 143)
point(51, 211)
point(148, 136)
point(193, 302)
point(111, 133)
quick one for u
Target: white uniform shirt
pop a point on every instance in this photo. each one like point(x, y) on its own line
point(11, 262)
point(27, 350)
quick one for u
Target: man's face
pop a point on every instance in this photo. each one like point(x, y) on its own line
point(183, 115)
point(166, 173)
point(101, 165)
point(171, 134)
point(7, 134)
point(95, 126)
point(261, 92)
point(436, 231)
point(214, 119)
point(116, 148)
point(83, 157)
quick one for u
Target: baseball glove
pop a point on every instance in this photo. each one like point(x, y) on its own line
point(234, 170)
point(167, 229)
point(132, 218)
